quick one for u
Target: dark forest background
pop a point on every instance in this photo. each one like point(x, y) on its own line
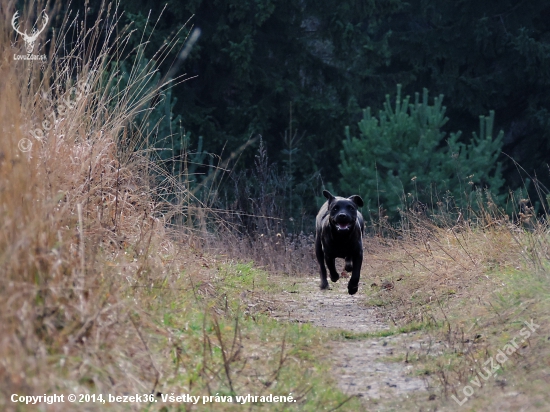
point(298, 72)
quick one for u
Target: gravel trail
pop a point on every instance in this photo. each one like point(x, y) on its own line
point(359, 363)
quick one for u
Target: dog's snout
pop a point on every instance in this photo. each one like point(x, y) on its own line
point(342, 215)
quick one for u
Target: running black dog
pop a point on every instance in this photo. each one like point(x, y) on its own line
point(339, 234)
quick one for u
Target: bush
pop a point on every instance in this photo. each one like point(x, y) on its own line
point(403, 157)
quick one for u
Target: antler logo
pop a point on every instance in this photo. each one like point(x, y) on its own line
point(30, 39)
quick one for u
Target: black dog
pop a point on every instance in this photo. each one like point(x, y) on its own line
point(339, 234)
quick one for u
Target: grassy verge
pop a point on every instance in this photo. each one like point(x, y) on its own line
point(461, 301)
point(221, 342)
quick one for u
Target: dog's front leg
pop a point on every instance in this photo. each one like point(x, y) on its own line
point(331, 264)
point(353, 284)
point(321, 259)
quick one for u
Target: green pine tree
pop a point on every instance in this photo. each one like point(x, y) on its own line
point(403, 156)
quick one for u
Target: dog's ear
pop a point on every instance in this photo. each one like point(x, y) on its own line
point(357, 200)
point(328, 195)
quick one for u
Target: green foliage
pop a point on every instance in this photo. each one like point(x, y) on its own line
point(404, 156)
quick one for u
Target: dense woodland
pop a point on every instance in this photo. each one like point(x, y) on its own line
point(300, 74)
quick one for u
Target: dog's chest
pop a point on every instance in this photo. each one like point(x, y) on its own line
point(341, 245)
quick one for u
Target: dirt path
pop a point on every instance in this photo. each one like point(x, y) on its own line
point(359, 363)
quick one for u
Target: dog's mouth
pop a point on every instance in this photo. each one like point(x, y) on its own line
point(343, 226)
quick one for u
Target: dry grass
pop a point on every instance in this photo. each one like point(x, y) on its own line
point(78, 231)
point(436, 263)
point(282, 253)
point(467, 290)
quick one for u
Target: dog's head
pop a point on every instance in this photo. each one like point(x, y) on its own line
point(343, 211)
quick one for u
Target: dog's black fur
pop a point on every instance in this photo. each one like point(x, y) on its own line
point(339, 234)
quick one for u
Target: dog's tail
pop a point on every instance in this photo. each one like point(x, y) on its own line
point(349, 265)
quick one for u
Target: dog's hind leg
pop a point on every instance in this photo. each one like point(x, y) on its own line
point(349, 265)
point(321, 259)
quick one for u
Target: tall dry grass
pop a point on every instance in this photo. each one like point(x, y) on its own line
point(78, 225)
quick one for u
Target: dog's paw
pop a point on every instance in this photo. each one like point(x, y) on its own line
point(324, 285)
point(334, 277)
point(352, 289)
